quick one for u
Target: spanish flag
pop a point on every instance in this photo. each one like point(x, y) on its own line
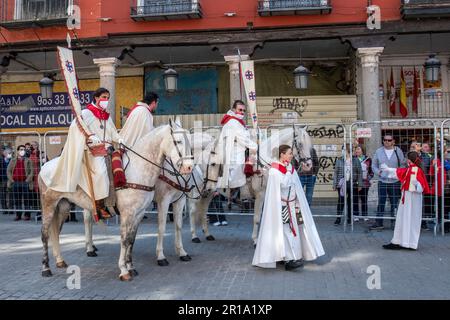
point(403, 99)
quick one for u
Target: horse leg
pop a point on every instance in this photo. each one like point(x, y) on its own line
point(62, 212)
point(90, 248)
point(48, 211)
point(132, 238)
point(163, 207)
point(192, 219)
point(178, 217)
point(124, 243)
point(204, 219)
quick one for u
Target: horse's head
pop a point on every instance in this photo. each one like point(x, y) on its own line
point(213, 166)
point(176, 147)
point(302, 147)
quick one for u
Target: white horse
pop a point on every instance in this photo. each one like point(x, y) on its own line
point(255, 187)
point(202, 182)
point(167, 141)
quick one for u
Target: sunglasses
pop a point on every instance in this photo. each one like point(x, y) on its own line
point(241, 110)
point(389, 140)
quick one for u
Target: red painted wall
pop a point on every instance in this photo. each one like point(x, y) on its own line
point(343, 12)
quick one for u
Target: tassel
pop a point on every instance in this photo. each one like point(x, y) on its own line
point(118, 173)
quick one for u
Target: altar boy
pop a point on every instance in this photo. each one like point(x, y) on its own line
point(409, 213)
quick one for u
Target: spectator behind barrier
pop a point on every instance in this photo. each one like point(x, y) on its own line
point(20, 182)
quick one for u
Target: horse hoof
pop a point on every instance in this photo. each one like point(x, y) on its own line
point(62, 265)
point(186, 258)
point(91, 254)
point(47, 273)
point(95, 248)
point(196, 240)
point(163, 263)
point(125, 277)
point(133, 273)
point(210, 238)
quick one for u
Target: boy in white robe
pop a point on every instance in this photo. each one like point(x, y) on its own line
point(281, 238)
point(409, 212)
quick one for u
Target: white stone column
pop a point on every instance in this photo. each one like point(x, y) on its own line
point(108, 80)
point(369, 59)
point(235, 83)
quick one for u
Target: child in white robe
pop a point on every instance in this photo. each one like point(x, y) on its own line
point(409, 212)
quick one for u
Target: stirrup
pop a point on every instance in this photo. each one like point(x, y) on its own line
point(103, 214)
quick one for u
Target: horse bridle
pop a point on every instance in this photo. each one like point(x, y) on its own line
point(296, 146)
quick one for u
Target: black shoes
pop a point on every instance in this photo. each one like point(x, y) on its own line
point(337, 222)
point(376, 227)
point(293, 264)
point(391, 246)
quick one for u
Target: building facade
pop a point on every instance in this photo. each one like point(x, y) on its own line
point(351, 48)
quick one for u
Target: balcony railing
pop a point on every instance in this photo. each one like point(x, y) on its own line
point(293, 7)
point(148, 10)
point(429, 106)
point(413, 9)
point(19, 14)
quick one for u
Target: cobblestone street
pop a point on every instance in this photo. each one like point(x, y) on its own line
point(221, 269)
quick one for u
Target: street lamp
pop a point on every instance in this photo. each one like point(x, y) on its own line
point(432, 68)
point(171, 80)
point(46, 85)
point(301, 75)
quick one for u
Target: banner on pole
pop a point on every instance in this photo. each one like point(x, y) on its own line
point(248, 79)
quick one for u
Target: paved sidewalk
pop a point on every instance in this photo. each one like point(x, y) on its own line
point(222, 269)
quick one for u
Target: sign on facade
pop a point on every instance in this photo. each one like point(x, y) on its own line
point(364, 133)
point(32, 111)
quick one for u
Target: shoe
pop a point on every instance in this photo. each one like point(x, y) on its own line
point(356, 219)
point(26, 218)
point(217, 223)
point(224, 223)
point(337, 222)
point(391, 246)
point(282, 263)
point(39, 218)
point(424, 227)
point(293, 264)
point(102, 211)
point(376, 227)
point(17, 218)
point(145, 217)
point(366, 219)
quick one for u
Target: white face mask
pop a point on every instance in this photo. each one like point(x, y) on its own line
point(22, 153)
point(103, 104)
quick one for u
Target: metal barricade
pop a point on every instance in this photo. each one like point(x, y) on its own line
point(21, 197)
point(322, 191)
point(408, 135)
point(444, 192)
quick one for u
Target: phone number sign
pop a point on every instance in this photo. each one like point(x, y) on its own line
point(32, 111)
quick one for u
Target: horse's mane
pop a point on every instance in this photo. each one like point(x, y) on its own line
point(144, 140)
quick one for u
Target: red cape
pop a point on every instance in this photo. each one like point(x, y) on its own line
point(281, 168)
point(404, 175)
point(98, 113)
point(227, 118)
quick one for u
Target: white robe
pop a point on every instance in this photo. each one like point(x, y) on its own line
point(138, 124)
point(233, 141)
point(409, 216)
point(276, 241)
point(68, 171)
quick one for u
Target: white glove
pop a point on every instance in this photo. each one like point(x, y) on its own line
point(94, 140)
point(383, 166)
point(121, 141)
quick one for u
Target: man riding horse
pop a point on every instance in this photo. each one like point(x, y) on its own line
point(82, 162)
point(234, 139)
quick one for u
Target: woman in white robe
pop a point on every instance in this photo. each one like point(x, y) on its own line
point(409, 212)
point(281, 238)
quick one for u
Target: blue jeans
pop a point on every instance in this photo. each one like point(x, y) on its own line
point(308, 183)
point(385, 190)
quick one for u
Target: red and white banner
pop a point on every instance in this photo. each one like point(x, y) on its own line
point(248, 79)
point(67, 65)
